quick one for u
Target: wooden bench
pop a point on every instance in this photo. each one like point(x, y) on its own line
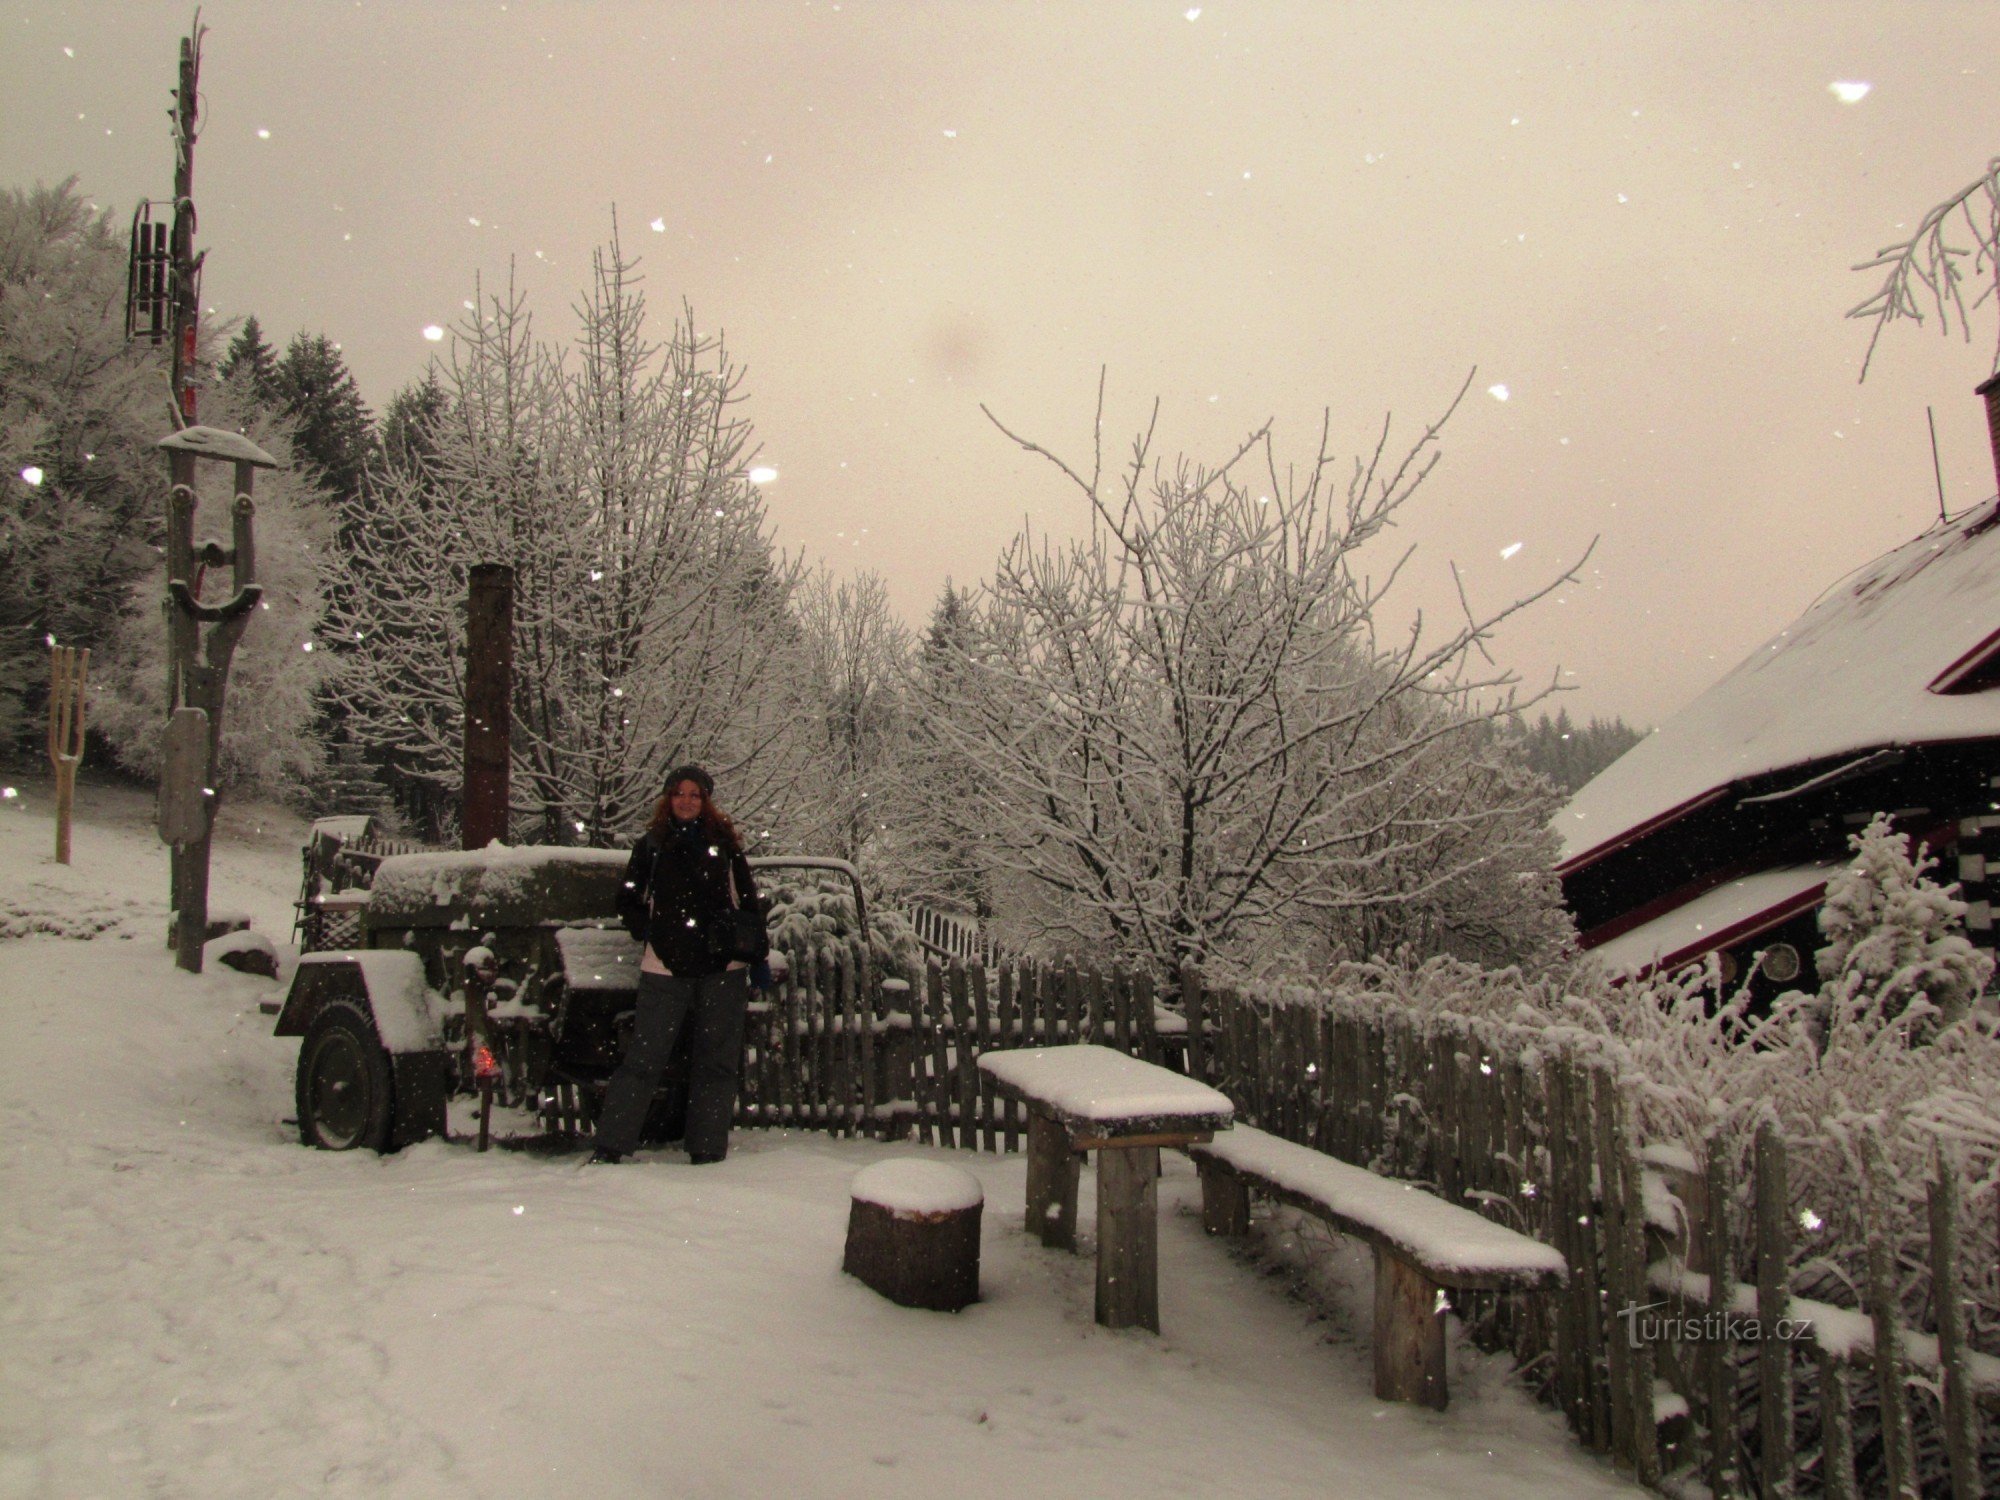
point(1422, 1245)
point(1088, 1098)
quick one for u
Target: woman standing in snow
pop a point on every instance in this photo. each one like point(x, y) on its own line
point(686, 879)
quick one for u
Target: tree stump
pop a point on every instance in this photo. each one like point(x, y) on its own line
point(913, 1233)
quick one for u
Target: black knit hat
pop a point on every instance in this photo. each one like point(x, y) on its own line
point(692, 773)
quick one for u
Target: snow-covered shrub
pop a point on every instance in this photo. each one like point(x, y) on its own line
point(1889, 934)
point(1702, 1070)
point(814, 916)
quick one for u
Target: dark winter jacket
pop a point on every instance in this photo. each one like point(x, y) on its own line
point(684, 875)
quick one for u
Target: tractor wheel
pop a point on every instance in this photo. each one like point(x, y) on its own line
point(344, 1084)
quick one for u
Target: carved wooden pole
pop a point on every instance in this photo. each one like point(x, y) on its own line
point(68, 668)
point(489, 678)
point(191, 763)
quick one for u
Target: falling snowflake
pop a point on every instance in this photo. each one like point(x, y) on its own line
point(1499, 392)
point(434, 333)
point(658, 226)
point(762, 475)
point(1849, 90)
point(32, 474)
point(263, 135)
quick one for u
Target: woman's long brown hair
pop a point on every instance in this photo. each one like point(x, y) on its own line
point(711, 817)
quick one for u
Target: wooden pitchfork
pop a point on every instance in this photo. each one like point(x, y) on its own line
point(68, 667)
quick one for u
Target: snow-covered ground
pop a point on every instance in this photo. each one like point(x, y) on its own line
point(192, 1304)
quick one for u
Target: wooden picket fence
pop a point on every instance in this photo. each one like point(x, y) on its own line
point(1534, 1130)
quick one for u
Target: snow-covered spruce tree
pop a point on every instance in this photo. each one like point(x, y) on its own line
point(1181, 738)
point(932, 850)
point(1894, 935)
point(80, 408)
point(649, 604)
point(851, 652)
point(270, 726)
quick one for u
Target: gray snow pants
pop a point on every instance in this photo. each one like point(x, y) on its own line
point(714, 1005)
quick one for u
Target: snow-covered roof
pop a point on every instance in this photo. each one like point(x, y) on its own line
point(1859, 670)
point(1719, 918)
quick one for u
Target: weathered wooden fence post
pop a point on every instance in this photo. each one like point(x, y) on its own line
point(1774, 1302)
point(1884, 1310)
point(68, 668)
point(1961, 1416)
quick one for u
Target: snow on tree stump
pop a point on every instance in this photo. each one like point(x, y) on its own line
point(243, 950)
point(913, 1233)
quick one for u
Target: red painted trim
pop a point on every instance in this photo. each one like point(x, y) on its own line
point(1966, 666)
point(1728, 937)
point(1638, 831)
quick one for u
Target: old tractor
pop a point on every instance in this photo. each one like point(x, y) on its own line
point(496, 977)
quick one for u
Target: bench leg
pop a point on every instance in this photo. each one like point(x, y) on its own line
point(1052, 1173)
point(1128, 1237)
point(1225, 1200)
point(1409, 1334)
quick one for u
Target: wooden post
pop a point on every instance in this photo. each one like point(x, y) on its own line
point(1719, 1355)
point(489, 674)
point(1961, 1416)
point(1128, 1229)
point(1836, 1425)
point(1408, 1334)
point(68, 668)
point(190, 773)
point(1192, 1013)
point(1884, 1311)
point(1225, 1201)
point(1774, 1302)
point(1052, 1174)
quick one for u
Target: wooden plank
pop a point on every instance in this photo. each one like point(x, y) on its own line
point(1128, 1229)
point(1778, 1450)
point(1620, 1279)
point(1836, 1425)
point(964, 1068)
point(1718, 1355)
point(984, 1040)
point(1052, 1176)
point(1630, 1187)
point(871, 1015)
point(1961, 1415)
point(1898, 1457)
point(920, 1048)
point(1194, 1010)
point(1010, 1023)
point(1079, 1141)
point(1225, 1200)
point(943, 1084)
point(847, 1119)
point(1408, 1336)
point(1145, 1023)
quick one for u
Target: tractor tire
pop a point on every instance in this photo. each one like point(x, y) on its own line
point(345, 1090)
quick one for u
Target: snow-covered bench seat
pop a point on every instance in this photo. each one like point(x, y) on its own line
point(1422, 1245)
point(1089, 1098)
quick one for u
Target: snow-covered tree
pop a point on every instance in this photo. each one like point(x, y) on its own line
point(852, 651)
point(251, 364)
point(1893, 934)
point(1568, 753)
point(80, 408)
point(1929, 270)
point(1182, 734)
point(649, 605)
point(334, 434)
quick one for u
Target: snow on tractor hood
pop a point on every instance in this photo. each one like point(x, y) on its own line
point(496, 887)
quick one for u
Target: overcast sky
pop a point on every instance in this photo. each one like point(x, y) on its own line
point(1635, 220)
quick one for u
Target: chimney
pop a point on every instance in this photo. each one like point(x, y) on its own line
point(1991, 391)
point(489, 673)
